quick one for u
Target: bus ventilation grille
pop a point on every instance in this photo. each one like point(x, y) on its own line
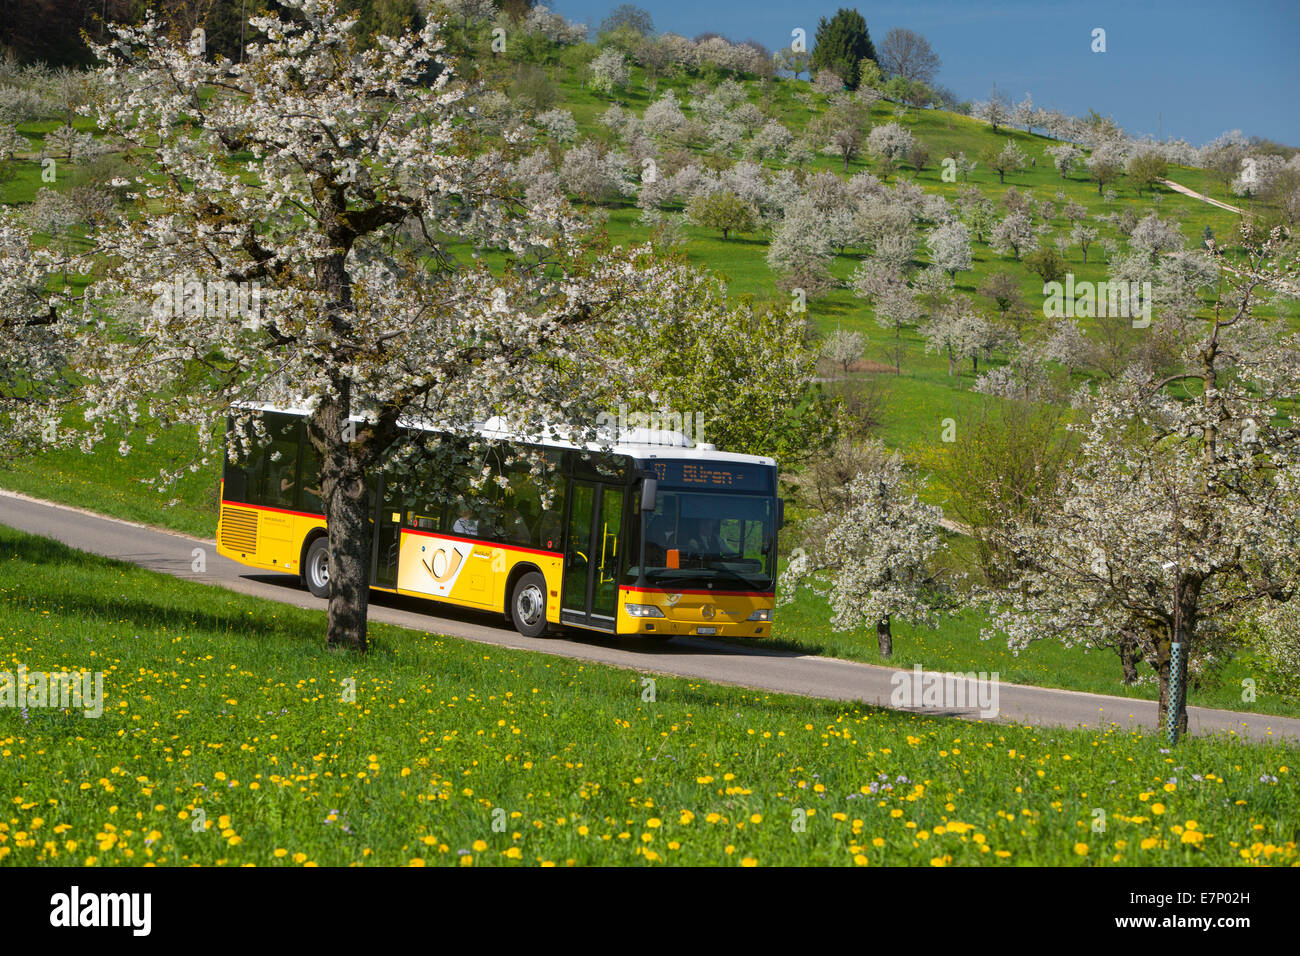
point(239, 530)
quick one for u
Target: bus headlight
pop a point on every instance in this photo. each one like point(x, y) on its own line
point(643, 610)
point(762, 614)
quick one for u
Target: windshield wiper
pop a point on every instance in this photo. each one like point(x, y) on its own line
point(706, 574)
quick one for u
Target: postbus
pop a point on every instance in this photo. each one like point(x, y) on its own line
point(650, 534)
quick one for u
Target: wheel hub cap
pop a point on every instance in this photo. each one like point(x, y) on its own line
point(530, 602)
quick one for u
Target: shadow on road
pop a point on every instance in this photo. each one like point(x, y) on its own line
point(650, 647)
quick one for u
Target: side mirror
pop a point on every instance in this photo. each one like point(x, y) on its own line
point(649, 493)
point(780, 513)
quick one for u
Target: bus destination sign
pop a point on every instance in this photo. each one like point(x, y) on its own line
point(691, 474)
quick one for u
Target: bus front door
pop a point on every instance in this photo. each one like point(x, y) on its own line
point(593, 548)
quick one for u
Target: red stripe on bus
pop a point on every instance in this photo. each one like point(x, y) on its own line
point(686, 591)
point(431, 534)
point(482, 541)
point(283, 511)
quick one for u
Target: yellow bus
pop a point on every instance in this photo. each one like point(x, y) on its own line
point(650, 534)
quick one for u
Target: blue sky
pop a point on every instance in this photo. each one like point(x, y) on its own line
point(1189, 69)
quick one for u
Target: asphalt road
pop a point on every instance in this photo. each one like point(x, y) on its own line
point(756, 666)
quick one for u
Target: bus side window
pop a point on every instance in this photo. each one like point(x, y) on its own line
point(520, 506)
point(424, 517)
point(271, 469)
point(309, 478)
point(250, 470)
point(548, 502)
point(549, 528)
point(420, 504)
point(234, 485)
point(281, 487)
point(464, 520)
point(469, 511)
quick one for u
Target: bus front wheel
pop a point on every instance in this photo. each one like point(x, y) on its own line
point(316, 568)
point(528, 605)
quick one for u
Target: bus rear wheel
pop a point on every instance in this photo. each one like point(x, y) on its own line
point(528, 605)
point(316, 568)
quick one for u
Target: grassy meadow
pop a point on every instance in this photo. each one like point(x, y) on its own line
point(229, 737)
point(226, 704)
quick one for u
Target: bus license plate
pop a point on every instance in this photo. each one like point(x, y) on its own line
point(706, 630)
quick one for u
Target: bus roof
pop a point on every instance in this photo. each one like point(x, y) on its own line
point(641, 443)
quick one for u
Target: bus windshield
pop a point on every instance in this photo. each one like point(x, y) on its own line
point(706, 540)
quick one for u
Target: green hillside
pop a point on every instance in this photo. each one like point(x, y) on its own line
point(914, 402)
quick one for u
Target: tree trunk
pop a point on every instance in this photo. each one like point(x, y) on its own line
point(884, 638)
point(1128, 655)
point(345, 494)
point(345, 454)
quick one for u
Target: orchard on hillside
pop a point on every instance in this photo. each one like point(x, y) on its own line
point(330, 182)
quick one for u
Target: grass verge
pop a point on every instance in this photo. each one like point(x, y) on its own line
point(226, 739)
